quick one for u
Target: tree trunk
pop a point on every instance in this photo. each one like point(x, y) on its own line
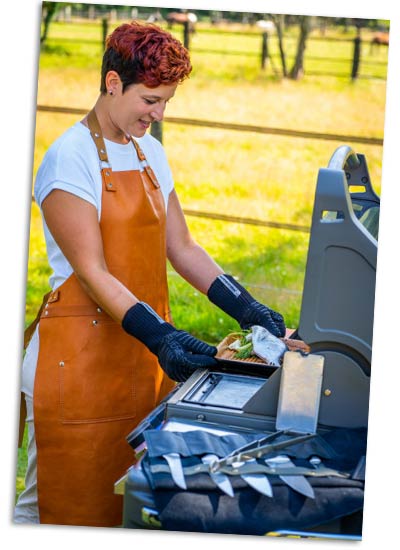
point(297, 70)
point(49, 9)
point(279, 25)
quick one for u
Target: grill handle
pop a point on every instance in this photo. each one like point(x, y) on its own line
point(344, 156)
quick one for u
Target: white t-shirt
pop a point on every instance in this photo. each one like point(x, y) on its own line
point(72, 164)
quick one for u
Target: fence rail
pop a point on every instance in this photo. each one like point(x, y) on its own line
point(246, 221)
point(199, 213)
point(237, 127)
point(242, 128)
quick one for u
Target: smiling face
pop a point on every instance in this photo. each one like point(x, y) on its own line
point(131, 112)
point(141, 69)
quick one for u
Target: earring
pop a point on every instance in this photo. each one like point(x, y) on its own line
point(110, 92)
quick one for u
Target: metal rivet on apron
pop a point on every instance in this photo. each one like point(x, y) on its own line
point(102, 151)
point(94, 322)
point(99, 310)
point(96, 135)
point(107, 173)
point(46, 312)
point(61, 363)
point(109, 184)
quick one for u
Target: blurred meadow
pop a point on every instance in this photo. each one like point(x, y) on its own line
point(235, 173)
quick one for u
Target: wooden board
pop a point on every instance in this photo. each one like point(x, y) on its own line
point(225, 353)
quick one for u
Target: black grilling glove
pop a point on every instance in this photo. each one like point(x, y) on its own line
point(233, 299)
point(179, 353)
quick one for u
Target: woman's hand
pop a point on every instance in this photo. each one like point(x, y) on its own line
point(230, 296)
point(179, 353)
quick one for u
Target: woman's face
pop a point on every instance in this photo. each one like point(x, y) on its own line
point(132, 112)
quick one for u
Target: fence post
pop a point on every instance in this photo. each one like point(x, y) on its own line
point(186, 34)
point(104, 27)
point(156, 130)
point(356, 55)
point(264, 49)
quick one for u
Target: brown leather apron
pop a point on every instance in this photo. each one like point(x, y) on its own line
point(94, 382)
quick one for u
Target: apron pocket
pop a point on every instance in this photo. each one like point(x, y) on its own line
point(96, 376)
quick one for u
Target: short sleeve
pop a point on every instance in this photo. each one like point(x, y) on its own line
point(70, 165)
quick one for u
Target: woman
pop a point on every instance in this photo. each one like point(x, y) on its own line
point(105, 351)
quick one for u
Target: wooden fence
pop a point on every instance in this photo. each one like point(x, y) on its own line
point(355, 62)
point(157, 132)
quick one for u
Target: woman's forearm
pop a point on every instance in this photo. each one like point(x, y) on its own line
point(109, 293)
point(195, 265)
point(188, 258)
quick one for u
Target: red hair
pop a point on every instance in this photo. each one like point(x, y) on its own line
point(149, 54)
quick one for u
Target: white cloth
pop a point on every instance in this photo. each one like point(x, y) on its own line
point(26, 509)
point(29, 364)
point(72, 164)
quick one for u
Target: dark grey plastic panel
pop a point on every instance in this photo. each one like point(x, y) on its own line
point(345, 393)
point(339, 287)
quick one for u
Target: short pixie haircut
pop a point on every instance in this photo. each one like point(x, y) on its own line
point(146, 54)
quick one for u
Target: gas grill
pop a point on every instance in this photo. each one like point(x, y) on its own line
point(321, 391)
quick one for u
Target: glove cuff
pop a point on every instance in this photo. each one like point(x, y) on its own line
point(142, 322)
point(226, 293)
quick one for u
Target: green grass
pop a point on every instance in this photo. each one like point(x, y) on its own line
point(238, 173)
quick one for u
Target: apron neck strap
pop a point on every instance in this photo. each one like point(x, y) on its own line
point(139, 152)
point(96, 133)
